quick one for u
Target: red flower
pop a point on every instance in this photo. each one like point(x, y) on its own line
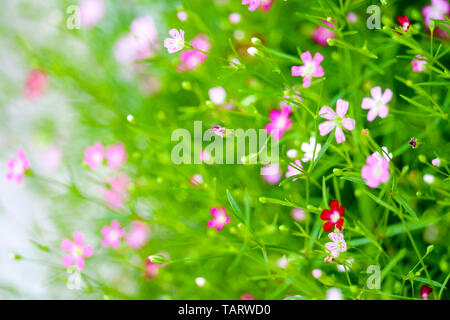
point(405, 24)
point(333, 216)
point(425, 291)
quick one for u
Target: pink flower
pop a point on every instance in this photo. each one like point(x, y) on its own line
point(138, 235)
point(337, 120)
point(196, 179)
point(220, 218)
point(404, 22)
point(36, 83)
point(298, 214)
point(377, 104)
point(143, 29)
point(176, 43)
point(94, 155)
point(420, 64)
point(252, 4)
point(376, 171)
point(112, 235)
point(338, 245)
point(234, 18)
point(191, 59)
point(247, 296)
point(425, 292)
point(52, 157)
point(436, 10)
point(77, 251)
point(17, 167)
point(271, 173)
point(280, 122)
point(205, 156)
point(436, 162)
point(116, 155)
point(322, 34)
point(117, 192)
point(151, 269)
point(294, 168)
point(91, 12)
point(182, 15)
point(218, 130)
point(311, 68)
point(266, 4)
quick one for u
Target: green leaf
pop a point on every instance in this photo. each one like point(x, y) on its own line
point(405, 205)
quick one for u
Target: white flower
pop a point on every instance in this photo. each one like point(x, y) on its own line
point(428, 178)
point(308, 149)
point(292, 153)
point(283, 262)
point(317, 273)
point(252, 51)
point(200, 281)
point(338, 245)
point(386, 154)
point(343, 268)
point(436, 162)
point(334, 294)
point(217, 95)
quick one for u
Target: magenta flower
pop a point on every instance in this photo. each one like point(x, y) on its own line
point(17, 167)
point(420, 64)
point(338, 245)
point(151, 269)
point(294, 168)
point(117, 192)
point(91, 12)
point(138, 235)
point(196, 179)
point(266, 4)
point(77, 251)
point(252, 4)
point(218, 130)
point(336, 120)
point(377, 104)
point(176, 43)
point(94, 155)
point(247, 296)
point(376, 171)
point(220, 218)
point(322, 34)
point(36, 83)
point(191, 59)
point(271, 173)
point(112, 235)
point(311, 68)
point(280, 122)
point(116, 155)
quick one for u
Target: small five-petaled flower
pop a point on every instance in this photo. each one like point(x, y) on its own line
point(333, 216)
point(176, 43)
point(336, 120)
point(220, 218)
point(338, 245)
point(311, 68)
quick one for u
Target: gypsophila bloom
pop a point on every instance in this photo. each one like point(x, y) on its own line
point(311, 68)
point(36, 84)
point(298, 214)
point(196, 179)
point(280, 122)
point(317, 273)
point(17, 167)
point(247, 296)
point(333, 216)
point(344, 268)
point(283, 262)
point(252, 51)
point(291, 153)
point(377, 104)
point(294, 168)
point(308, 149)
point(322, 34)
point(334, 294)
point(138, 235)
point(217, 95)
point(338, 245)
point(116, 155)
point(271, 173)
point(234, 18)
point(51, 157)
point(91, 12)
point(200, 281)
point(252, 4)
point(352, 17)
point(404, 22)
point(419, 65)
point(220, 131)
point(191, 59)
point(182, 15)
point(112, 234)
point(336, 120)
point(385, 154)
point(77, 251)
point(116, 191)
point(428, 178)
point(437, 10)
point(151, 269)
point(376, 171)
point(220, 218)
point(436, 162)
point(425, 292)
point(94, 155)
point(176, 43)
point(205, 156)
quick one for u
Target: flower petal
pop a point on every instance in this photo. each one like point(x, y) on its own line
point(327, 113)
point(367, 103)
point(376, 93)
point(348, 124)
point(341, 107)
point(387, 96)
point(339, 134)
point(326, 127)
point(306, 57)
